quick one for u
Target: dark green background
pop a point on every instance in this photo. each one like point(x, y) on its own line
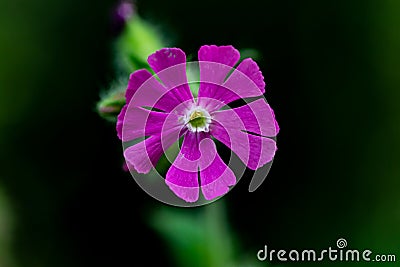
point(332, 70)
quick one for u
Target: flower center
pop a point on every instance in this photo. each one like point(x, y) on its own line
point(197, 119)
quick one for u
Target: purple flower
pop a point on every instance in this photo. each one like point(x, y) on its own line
point(124, 10)
point(163, 109)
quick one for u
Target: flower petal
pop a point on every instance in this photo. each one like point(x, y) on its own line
point(140, 122)
point(182, 176)
point(136, 80)
point(226, 55)
point(257, 117)
point(144, 90)
point(254, 151)
point(170, 66)
point(215, 176)
point(276, 123)
point(144, 155)
point(120, 121)
point(167, 58)
point(215, 63)
point(245, 81)
point(189, 191)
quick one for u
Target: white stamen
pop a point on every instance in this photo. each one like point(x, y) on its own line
point(196, 112)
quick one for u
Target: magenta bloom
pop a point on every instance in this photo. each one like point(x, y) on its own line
point(162, 109)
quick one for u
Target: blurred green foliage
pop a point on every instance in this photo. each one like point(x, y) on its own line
point(202, 238)
point(138, 40)
point(6, 231)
